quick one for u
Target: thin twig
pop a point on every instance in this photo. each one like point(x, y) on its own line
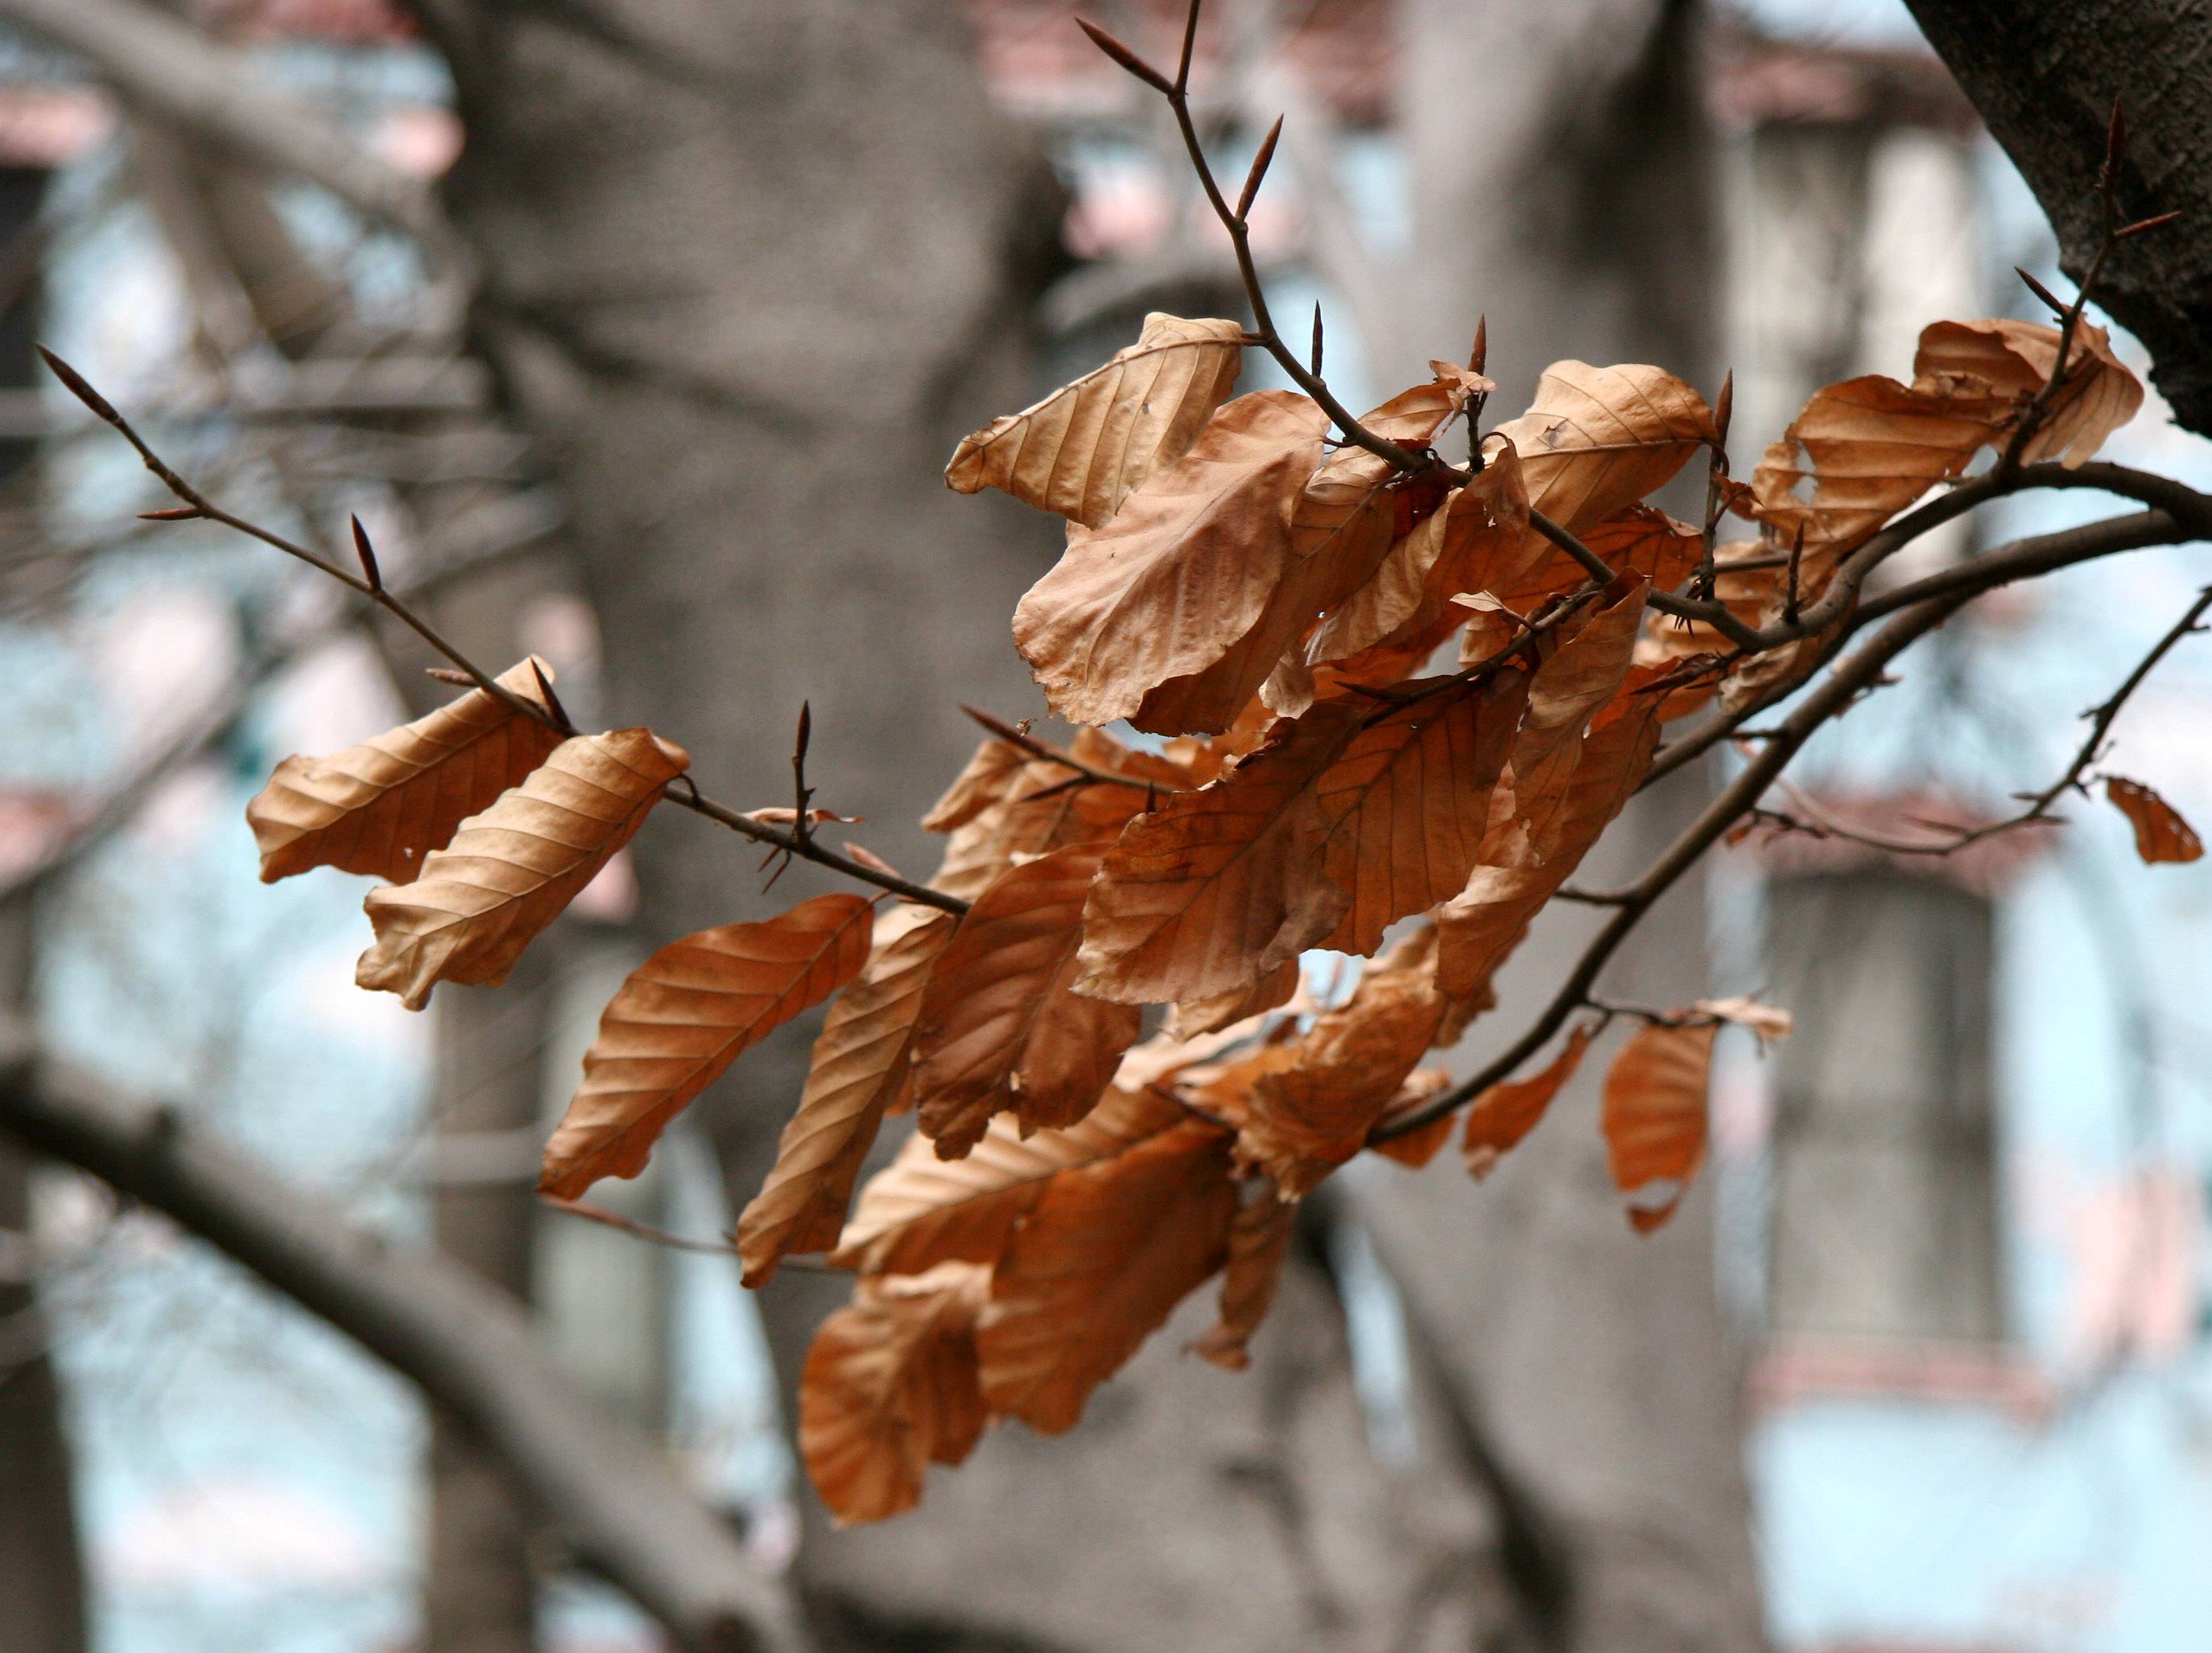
point(662, 1237)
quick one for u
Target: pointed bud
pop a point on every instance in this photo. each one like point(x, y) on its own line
point(2041, 291)
point(1478, 359)
point(172, 514)
point(1258, 169)
point(1724, 408)
point(363, 550)
point(1128, 59)
point(78, 388)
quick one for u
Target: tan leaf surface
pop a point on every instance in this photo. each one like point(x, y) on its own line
point(1341, 528)
point(1202, 1016)
point(1259, 1243)
point(1503, 1115)
point(508, 872)
point(1769, 1023)
point(1182, 571)
point(890, 1386)
point(1596, 440)
point(1641, 538)
point(2014, 359)
point(921, 1210)
point(999, 1029)
point(1480, 927)
point(2162, 833)
point(1307, 1105)
point(1000, 814)
point(1655, 1114)
point(1084, 449)
point(1583, 671)
point(682, 1017)
point(381, 806)
point(861, 1071)
point(1098, 1263)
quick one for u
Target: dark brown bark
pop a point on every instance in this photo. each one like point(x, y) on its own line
point(2044, 77)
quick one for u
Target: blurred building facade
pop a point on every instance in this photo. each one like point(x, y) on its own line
point(1962, 1233)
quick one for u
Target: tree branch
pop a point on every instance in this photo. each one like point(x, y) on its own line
point(466, 1345)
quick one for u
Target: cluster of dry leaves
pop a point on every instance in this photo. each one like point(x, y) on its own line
point(1274, 607)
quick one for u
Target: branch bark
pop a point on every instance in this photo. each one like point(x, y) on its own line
point(173, 73)
point(2045, 78)
point(462, 1343)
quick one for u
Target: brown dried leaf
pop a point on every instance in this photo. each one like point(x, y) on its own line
point(1769, 1023)
point(1095, 1268)
point(1259, 1243)
point(1508, 1111)
point(682, 1017)
point(2161, 835)
point(1642, 538)
point(1417, 1147)
point(1203, 1016)
point(1083, 449)
point(509, 871)
point(1040, 807)
point(1183, 570)
point(1307, 1105)
point(381, 806)
point(1581, 674)
point(1000, 1031)
point(2014, 360)
point(861, 1071)
point(890, 1386)
point(921, 1210)
point(1655, 1114)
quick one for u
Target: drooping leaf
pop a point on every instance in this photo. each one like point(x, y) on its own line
point(2014, 360)
point(2162, 833)
point(1413, 1149)
point(1507, 1111)
point(921, 1210)
point(999, 813)
point(1654, 1114)
point(1083, 449)
point(1477, 541)
point(861, 1070)
point(1182, 571)
point(1640, 538)
point(1348, 819)
point(1202, 1016)
point(381, 806)
point(507, 872)
point(891, 1386)
point(998, 1029)
point(1259, 1243)
point(1342, 525)
point(1596, 440)
point(1306, 1105)
point(1579, 675)
point(682, 1017)
point(1095, 1268)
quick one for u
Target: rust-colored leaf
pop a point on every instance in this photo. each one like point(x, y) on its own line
point(1416, 1147)
point(1641, 538)
point(2161, 835)
point(1202, 1016)
point(2014, 360)
point(1307, 1105)
point(1183, 570)
point(1654, 1114)
point(921, 1210)
point(998, 1029)
point(1083, 449)
point(1579, 675)
point(507, 872)
point(1508, 1111)
point(1000, 810)
point(861, 1071)
point(1259, 1243)
point(1097, 1265)
point(682, 1017)
point(382, 806)
point(890, 1386)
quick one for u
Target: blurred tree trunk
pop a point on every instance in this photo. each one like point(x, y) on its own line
point(1563, 185)
point(42, 1602)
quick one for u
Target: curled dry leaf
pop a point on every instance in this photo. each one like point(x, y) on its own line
point(1307, 1105)
point(1581, 673)
point(682, 1017)
point(1201, 1015)
point(860, 1071)
point(1343, 823)
point(1416, 1147)
point(382, 806)
point(1641, 539)
point(1259, 1243)
point(2013, 360)
point(509, 871)
point(920, 1210)
point(1508, 1111)
point(890, 1386)
point(1084, 449)
point(1477, 541)
point(1183, 570)
point(999, 1029)
point(1596, 440)
point(2161, 835)
point(1654, 1114)
point(1009, 803)
point(1095, 1265)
